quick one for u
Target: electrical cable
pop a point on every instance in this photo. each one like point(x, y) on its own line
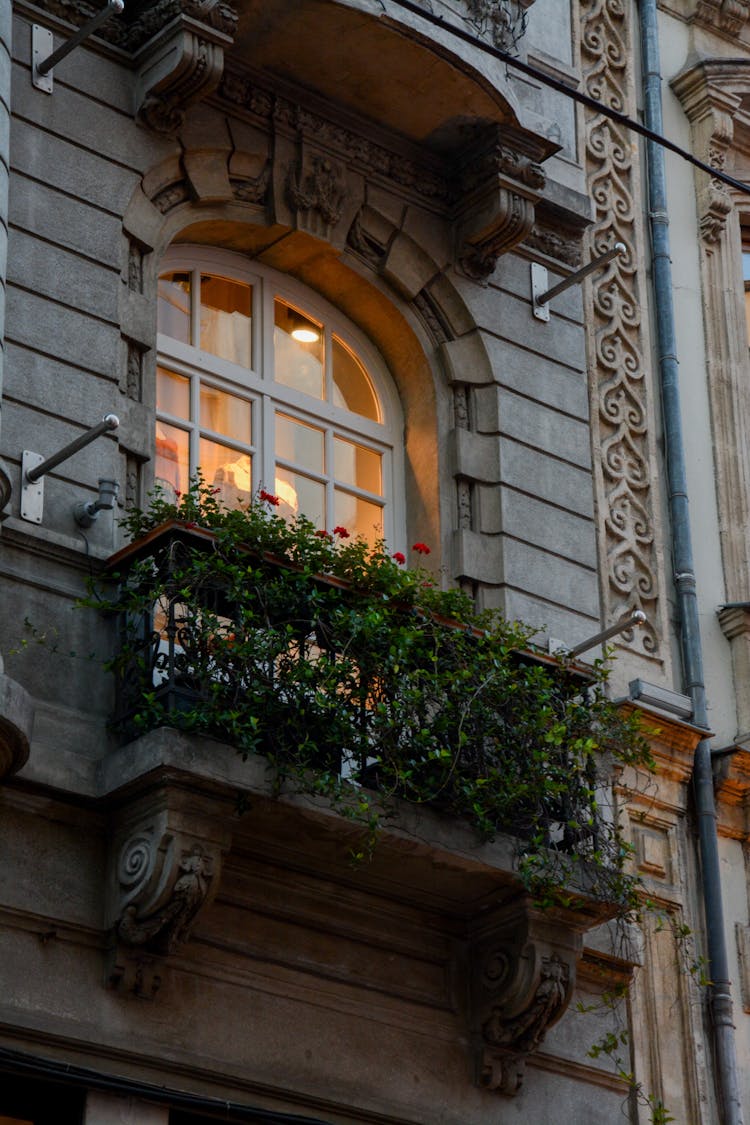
point(570, 92)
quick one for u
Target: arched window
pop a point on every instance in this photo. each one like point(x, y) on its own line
point(261, 384)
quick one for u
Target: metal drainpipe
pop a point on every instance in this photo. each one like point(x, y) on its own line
point(684, 577)
point(6, 25)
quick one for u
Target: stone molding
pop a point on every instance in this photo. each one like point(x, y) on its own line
point(623, 432)
point(523, 975)
point(711, 93)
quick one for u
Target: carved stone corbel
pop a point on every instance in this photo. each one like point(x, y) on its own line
point(523, 974)
point(164, 870)
point(182, 62)
point(497, 192)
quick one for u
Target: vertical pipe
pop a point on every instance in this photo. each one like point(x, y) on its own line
point(6, 26)
point(684, 577)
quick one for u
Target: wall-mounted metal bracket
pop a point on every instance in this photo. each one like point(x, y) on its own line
point(637, 618)
point(43, 58)
point(541, 295)
point(34, 467)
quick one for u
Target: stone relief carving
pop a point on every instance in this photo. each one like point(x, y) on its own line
point(315, 191)
point(165, 858)
point(722, 15)
point(565, 249)
point(620, 397)
point(524, 975)
point(502, 21)
point(164, 885)
point(354, 150)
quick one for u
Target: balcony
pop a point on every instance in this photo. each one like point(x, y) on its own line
point(374, 715)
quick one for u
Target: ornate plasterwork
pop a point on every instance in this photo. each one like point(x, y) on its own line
point(428, 181)
point(524, 975)
point(727, 16)
point(620, 395)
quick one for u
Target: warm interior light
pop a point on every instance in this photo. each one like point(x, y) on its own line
point(305, 335)
point(300, 328)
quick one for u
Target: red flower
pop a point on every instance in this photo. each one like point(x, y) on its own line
point(323, 535)
point(400, 559)
point(341, 532)
point(421, 548)
point(215, 491)
point(191, 524)
point(269, 498)
point(177, 493)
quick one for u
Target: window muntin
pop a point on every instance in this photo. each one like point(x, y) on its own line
point(257, 407)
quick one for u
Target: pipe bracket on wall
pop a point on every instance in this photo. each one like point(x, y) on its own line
point(34, 467)
point(542, 294)
point(44, 58)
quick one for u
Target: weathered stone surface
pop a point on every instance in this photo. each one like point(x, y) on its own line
point(16, 724)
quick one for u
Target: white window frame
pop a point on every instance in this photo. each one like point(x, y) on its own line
point(258, 385)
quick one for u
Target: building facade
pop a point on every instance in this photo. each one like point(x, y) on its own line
point(177, 193)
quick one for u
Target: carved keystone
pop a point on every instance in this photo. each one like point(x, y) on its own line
point(498, 190)
point(523, 974)
point(165, 864)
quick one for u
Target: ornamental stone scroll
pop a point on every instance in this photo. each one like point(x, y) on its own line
point(498, 188)
point(523, 975)
point(165, 864)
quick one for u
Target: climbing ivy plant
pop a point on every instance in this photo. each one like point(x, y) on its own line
point(356, 676)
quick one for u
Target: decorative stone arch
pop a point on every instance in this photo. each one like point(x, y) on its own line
point(393, 285)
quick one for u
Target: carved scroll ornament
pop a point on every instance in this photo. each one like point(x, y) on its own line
point(498, 189)
point(524, 975)
point(621, 409)
point(165, 881)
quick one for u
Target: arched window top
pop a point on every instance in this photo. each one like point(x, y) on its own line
point(262, 384)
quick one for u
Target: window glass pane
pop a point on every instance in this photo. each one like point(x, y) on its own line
point(300, 443)
point(358, 516)
point(352, 388)
point(228, 471)
point(226, 414)
point(300, 496)
point(174, 306)
point(298, 362)
point(172, 393)
point(226, 318)
point(746, 265)
point(172, 463)
point(354, 464)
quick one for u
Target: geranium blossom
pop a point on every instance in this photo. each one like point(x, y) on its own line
point(269, 498)
point(341, 532)
point(421, 548)
point(400, 559)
